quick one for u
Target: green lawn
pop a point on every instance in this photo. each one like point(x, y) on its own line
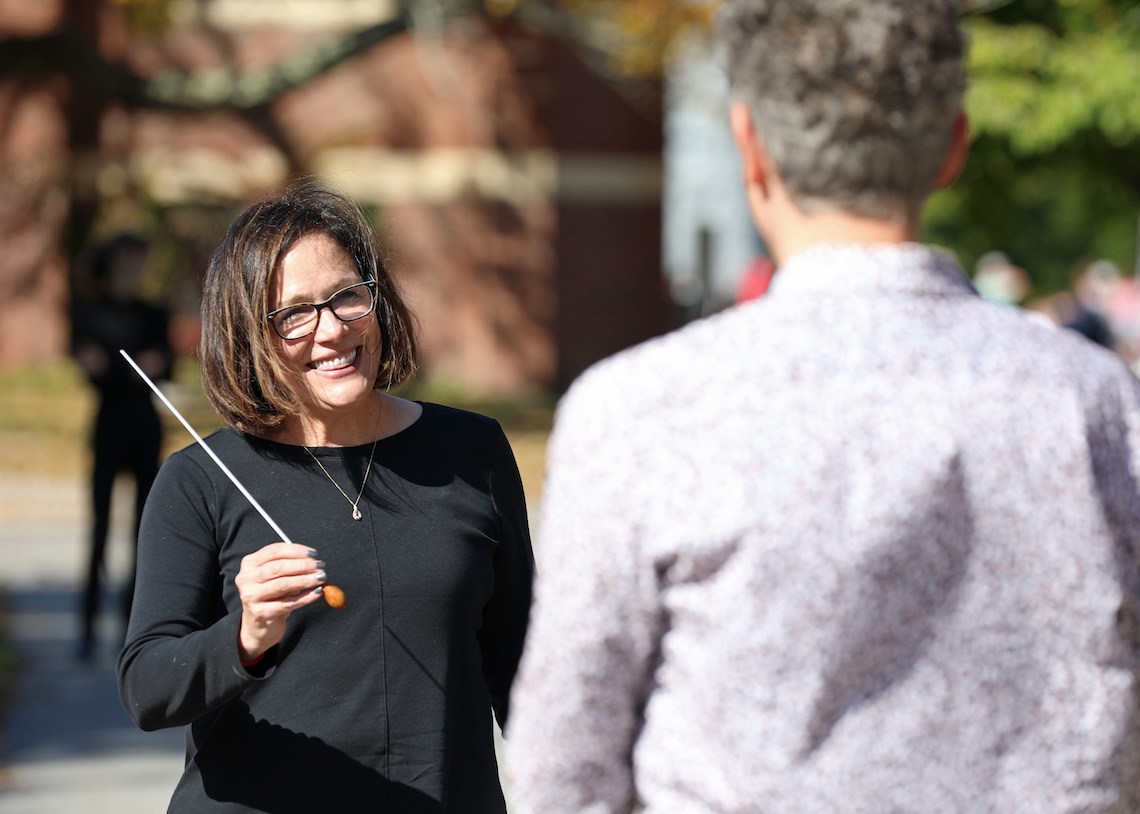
point(44, 414)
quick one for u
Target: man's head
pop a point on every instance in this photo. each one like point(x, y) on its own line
point(855, 101)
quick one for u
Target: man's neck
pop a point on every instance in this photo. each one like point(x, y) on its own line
point(801, 231)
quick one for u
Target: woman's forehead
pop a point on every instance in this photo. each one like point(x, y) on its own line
point(316, 264)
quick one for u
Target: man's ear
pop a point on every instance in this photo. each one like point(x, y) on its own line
point(750, 146)
point(956, 155)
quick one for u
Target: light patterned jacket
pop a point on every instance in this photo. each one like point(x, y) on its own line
point(868, 544)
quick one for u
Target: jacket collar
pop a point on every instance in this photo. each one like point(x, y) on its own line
point(844, 270)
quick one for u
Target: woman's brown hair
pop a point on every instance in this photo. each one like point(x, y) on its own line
point(241, 370)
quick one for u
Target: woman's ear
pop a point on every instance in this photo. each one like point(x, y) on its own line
point(956, 155)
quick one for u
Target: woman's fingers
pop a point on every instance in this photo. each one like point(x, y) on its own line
point(280, 552)
point(273, 582)
point(283, 568)
point(277, 578)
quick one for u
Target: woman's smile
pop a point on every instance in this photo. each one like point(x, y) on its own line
point(339, 362)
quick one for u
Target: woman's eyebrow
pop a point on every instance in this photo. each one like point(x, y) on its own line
point(299, 300)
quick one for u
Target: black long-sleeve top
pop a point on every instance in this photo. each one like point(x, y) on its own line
point(384, 705)
point(110, 325)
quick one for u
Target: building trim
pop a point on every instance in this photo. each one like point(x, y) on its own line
point(386, 177)
point(442, 175)
point(305, 15)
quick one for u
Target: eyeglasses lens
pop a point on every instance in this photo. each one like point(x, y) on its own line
point(348, 304)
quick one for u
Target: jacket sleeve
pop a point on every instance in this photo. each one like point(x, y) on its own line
point(1114, 452)
point(595, 625)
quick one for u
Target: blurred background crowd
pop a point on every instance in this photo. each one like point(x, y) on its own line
point(1101, 302)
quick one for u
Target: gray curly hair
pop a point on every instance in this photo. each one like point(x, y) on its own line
point(855, 99)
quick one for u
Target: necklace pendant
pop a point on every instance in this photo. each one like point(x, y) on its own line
point(356, 515)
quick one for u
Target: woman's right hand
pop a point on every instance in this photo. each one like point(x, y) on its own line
point(273, 582)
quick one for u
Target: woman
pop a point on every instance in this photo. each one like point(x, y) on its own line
point(415, 510)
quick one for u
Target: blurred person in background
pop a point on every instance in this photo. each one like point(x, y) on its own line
point(997, 279)
point(127, 433)
point(866, 544)
point(1087, 305)
point(755, 279)
point(1123, 315)
point(292, 704)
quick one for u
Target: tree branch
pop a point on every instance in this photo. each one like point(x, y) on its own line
point(208, 89)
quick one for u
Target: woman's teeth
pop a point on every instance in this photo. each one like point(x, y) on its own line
point(340, 361)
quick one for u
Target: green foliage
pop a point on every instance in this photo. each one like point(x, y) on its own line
point(1041, 90)
point(1049, 213)
point(146, 16)
point(45, 410)
point(1053, 177)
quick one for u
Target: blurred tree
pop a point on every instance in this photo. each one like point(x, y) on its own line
point(637, 37)
point(146, 16)
point(1045, 74)
point(623, 39)
point(1053, 177)
point(70, 53)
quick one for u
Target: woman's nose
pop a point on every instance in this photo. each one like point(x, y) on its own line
point(328, 325)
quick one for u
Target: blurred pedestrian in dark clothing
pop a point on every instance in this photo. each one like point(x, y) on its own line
point(127, 432)
point(1091, 325)
point(1092, 292)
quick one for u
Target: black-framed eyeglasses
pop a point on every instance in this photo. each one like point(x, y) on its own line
point(301, 318)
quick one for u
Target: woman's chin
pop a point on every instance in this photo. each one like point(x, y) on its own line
point(342, 393)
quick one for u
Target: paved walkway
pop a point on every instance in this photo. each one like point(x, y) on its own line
point(67, 745)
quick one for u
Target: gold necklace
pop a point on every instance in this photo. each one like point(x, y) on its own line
point(356, 515)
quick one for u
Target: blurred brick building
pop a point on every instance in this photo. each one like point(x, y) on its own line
point(518, 190)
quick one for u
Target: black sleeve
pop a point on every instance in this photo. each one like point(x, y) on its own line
point(181, 657)
point(505, 616)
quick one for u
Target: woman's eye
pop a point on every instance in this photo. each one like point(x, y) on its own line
point(292, 316)
point(347, 297)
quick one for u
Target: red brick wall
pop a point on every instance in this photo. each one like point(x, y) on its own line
point(33, 219)
point(513, 292)
point(610, 290)
point(609, 278)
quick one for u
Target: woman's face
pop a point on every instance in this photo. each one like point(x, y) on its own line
point(337, 364)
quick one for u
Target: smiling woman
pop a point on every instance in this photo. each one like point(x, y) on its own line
point(329, 351)
point(389, 699)
point(274, 249)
